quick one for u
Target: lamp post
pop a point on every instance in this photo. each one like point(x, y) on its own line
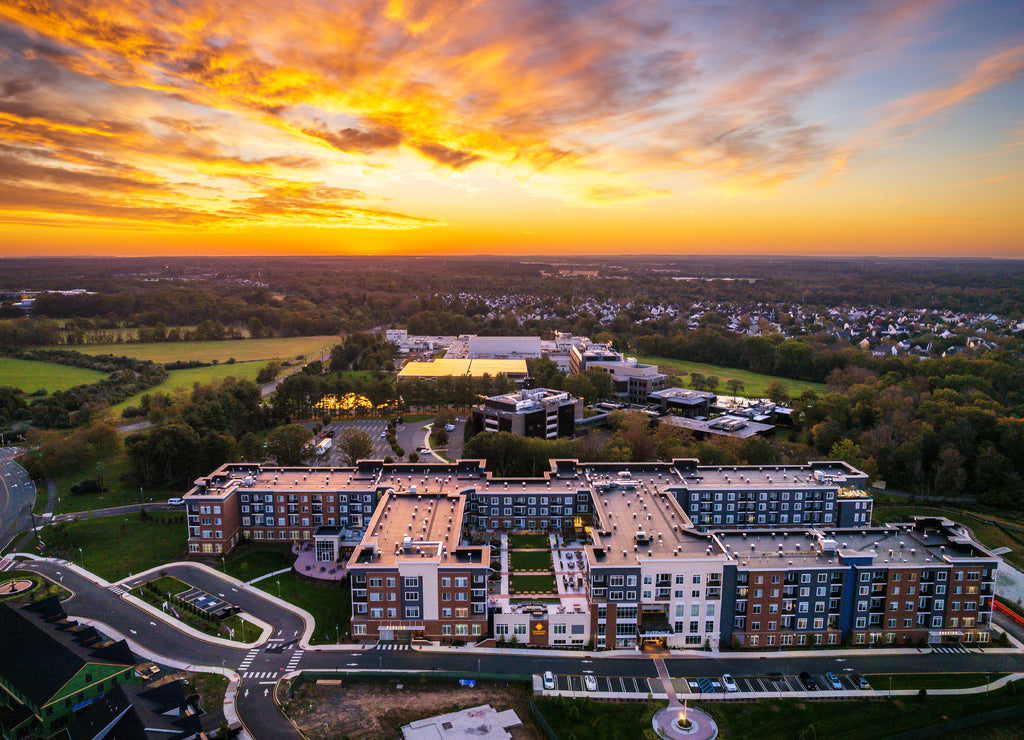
point(83, 557)
point(279, 588)
point(223, 564)
point(890, 686)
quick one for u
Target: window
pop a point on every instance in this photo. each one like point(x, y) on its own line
point(412, 612)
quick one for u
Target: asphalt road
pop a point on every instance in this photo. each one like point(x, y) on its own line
point(17, 496)
point(260, 668)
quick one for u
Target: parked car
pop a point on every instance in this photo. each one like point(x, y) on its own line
point(863, 683)
point(175, 502)
point(807, 681)
point(549, 680)
point(590, 683)
point(449, 427)
point(729, 683)
point(833, 681)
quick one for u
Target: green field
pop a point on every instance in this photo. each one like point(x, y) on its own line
point(530, 560)
point(31, 376)
point(115, 546)
point(242, 350)
point(178, 379)
point(532, 584)
point(865, 719)
point(255, 563)
point(330, 603)
point(754, 384)
point(117, 477)
point(585, 719)
point(528, 541)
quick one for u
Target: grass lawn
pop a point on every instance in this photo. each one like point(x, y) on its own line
point(987, 533)
point(532, 584)
point(114, 546)
point(116, 471)
point(254, 563)
point(242, 350)
point(31, 376)
point(851, 720)
point(585, 719)
point(211, 688)
point(880, 681)
point(185, 379)
point(330, 603)
point(44, 588)
point(170, 585)
point(528, 541)
point(530, 560)
point(754, 384)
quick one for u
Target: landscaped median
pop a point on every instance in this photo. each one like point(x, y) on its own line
point(167, 591)
point(41, 588)
point(930, 681)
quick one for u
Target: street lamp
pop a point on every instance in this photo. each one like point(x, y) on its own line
point(83, 557)
point(890, 686)
point(223, 564)
point(279, 588)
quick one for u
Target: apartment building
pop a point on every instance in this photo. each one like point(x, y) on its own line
point(915, 583)
point(537, 412)
point(815, 494)
point(675, 553)
point(583, 354)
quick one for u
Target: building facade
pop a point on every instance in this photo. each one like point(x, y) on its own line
point(676, 553)
point(537, 412)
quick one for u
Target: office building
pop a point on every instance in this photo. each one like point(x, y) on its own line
point(537, 412)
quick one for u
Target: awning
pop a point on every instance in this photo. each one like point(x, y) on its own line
point(945, 633)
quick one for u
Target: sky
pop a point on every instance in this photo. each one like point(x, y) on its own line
point(889, 127)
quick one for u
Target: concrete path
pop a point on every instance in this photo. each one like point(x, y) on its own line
point(666, 681)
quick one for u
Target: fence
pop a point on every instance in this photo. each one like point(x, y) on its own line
point(537, 715)
point(1003, 609)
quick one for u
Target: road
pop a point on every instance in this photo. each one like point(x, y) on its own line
point(261, 667)
point(17, 496)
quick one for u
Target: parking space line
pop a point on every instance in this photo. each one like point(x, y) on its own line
point(636, 686)
point(789, 684)
point(761, 683)
point(622, 682)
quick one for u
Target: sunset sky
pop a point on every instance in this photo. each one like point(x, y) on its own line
point(511, 126)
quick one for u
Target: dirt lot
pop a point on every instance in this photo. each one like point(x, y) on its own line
point(377, 710)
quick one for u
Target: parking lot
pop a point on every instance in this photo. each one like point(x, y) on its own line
point(373, 427)
point(703, 686)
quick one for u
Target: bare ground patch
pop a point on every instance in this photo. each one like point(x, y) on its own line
point(376, 710)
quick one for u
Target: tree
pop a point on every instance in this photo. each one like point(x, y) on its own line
point(734, 386)
point(712, 382)
point(287, 445)
point(355, 445)
point(697, 381)
point(579, 385)
point(250, 448)
point(776, 392)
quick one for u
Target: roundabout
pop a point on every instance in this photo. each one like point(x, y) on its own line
point(684, 723)
point(15, 586)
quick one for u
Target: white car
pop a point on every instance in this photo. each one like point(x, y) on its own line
point(449, 427)
point(549, 680)
point(175, 502)
point(590, 683)
point(729, 683)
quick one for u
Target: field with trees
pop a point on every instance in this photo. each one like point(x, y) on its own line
point(751, 384)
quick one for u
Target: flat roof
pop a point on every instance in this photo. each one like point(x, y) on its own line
point(434, 368)
point(415, 528)
point(722, 426)
point(477, 368)
point(911, 544)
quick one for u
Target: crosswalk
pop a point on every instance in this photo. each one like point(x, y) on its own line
point(392, 646)
point(293, 662)
point(259, 674)
point(119, 590)
point(247, 660)
point(949, 649)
